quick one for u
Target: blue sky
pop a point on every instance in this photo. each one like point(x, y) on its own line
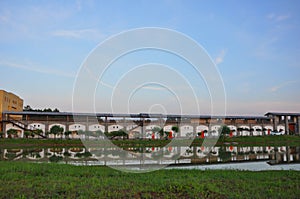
point(255, 45)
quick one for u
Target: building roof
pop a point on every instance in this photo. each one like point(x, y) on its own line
point(281, 114)
point(139, 115)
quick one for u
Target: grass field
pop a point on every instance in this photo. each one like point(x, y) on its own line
point(28, 180)
point(240, 141)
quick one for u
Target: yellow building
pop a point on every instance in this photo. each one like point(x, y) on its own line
point(9, 102)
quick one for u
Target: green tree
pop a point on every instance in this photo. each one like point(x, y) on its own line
point(27, 134)
point(224, 131)
point(1, 134)
point(56, 130)
point(11, 133)
point(38, 132)
point(119, 133)
point(67, 134)
point(175, 129)
point(156, 129)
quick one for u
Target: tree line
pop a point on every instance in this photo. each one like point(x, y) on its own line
point(29, 108)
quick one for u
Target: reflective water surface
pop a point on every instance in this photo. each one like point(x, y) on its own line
point(226, 157)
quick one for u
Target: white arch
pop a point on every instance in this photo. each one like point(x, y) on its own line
point(150, 132)
point(245, 132)
point(168, 128)
point(131, 127)
point(96, 127)
point(37, 125)
point(215, 129)
point(268, 127)
point(115, 127)
point(186, 131)
point(57, 124)
point(20, 132)
point(257, 130)
point(281, 128)
point(201, 128)
point(77, 127)
point(234, 129)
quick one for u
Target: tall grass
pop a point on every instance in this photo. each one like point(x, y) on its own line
point(27, 180)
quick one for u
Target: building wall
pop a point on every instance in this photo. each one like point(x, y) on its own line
point(9, 102)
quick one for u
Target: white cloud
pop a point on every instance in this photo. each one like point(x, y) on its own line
point(79, 34)
point(38, 69)
point(284, 84)
point(220, 58)
point(274, 17)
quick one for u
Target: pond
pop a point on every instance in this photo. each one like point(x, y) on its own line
point(224, 157)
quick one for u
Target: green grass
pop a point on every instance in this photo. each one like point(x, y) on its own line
point(28, 180)
point(240, 141)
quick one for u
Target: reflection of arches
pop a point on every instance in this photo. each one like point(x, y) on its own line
point(35, 154)
point(55, 151)
point(186, 151)
point(75, 151)
point(12, 154)
point(201, 152)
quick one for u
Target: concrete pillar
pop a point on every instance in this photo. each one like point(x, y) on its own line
point(105, 125)
point(275, 122)
point(67, 126)
point(298, 126)
point(46, 128)
point(195, 130)
point(143, 128)
point(86, 126)
point(286, 124)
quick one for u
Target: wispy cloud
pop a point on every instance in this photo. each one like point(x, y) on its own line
point(282, 85)
point(37, 69)
point(278, 18)
point(220, 58)
point(79, 34)
point(153, 88)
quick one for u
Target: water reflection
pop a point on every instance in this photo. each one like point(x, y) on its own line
point(176, 156)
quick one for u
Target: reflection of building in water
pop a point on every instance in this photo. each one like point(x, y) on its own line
point(286, 155)
point(145, 125)
point(155, 155)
